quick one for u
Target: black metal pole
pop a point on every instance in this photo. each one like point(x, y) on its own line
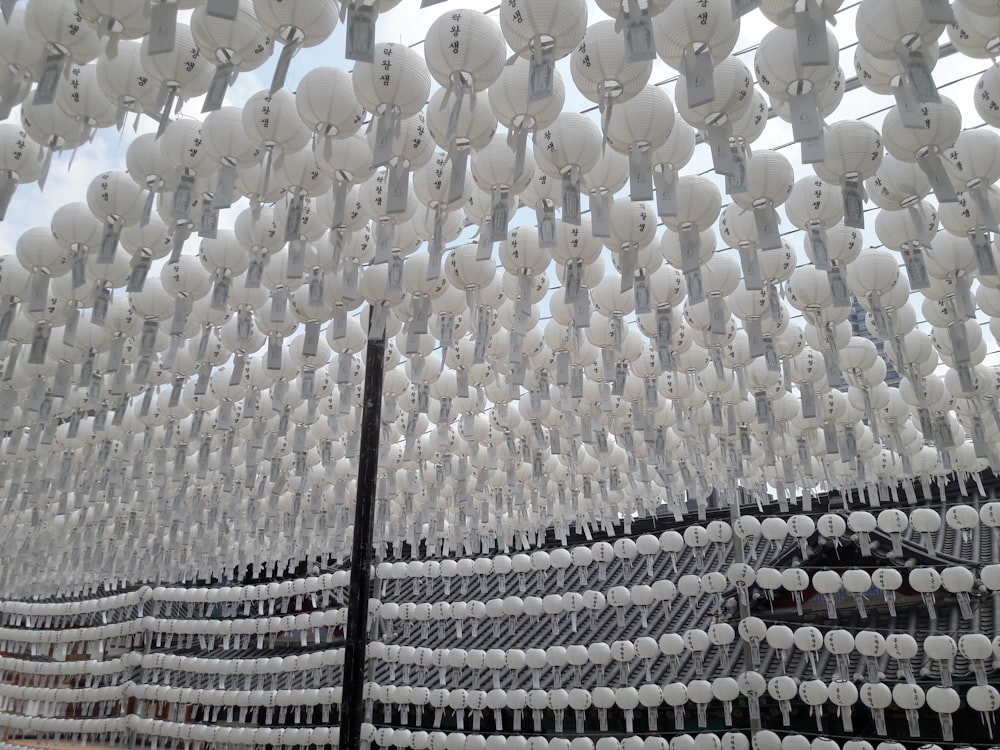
point(352, 705)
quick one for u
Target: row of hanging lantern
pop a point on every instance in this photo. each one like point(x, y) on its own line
point(292, 703)
point(285, 704)
point(506, 665)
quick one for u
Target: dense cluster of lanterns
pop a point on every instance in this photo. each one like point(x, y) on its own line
point(206, 405)
point(579, 332)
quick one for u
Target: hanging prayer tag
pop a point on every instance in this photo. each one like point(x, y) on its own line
point(627, 259)
point(838, 287)
point(722, 152)
point(917, 73)
point(698, 73)
point(484, 250)
point(916, 269)
point(771, 355)
point(640, 171)
point(571, 197)
point(638, 33)
point(574, 275)
point(385, 230)
point(385, 131)
point(7, 8)
point(736, 177)
point(695, 288)
point(546, 216)
point(284, 61)
point(7, 188)
point(941, 184)
point(39, 292)
point(808, 400)
point(218, 87)
point(45, 91)
point(162, 28)
point(79, 269)
point(220, 292)
point(755, 336)
point(980, 198)
point(541, 71)
point(813, 150)
point(399, 182)
point(766, 219)
point(810, 33)
point(208, 221)
point(137, 279)
point(600, 214)
point(293, 219)
point(690, 242)
point(908, 107)
point(642, 298)
point(360, 33)
point(273, 360)
point(183, 197)
point(718, 314)
point(395, 279)
point(227, 9)
point(984, 252)
point(817, 240)
point(803, 111)
point(854, 206)
point(666, 194)
point(296, 259)
point(39, 345)
point(459, 168)
point(499, 214)
point(751, 267)
point(938, 11)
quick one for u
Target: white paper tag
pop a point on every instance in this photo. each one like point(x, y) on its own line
point(718, 144)
point(546, 216)
point(766, 220)
point(803, 111)
point(838, 287)
point(48, 81)
point(217, 89)
point(228, 9)
point(813, 150)
point(817, 240)
point(399, 183)
point(642, 295)
point(750, 263)
point(699, 78)
point(984, 252)
point(541, 72)
point(459, 168)
point(938, 11)
point(755, 336)
point(162, 27)
point(854, 207)
point(385, 131)
point(640, 171)
point(284, 61)
point(916, 269)
point(571, 197)
point(183, 198)
point(360, 33)
point(7, 8)
point(666, 192)
point(810, 34)
point(638, 32)
point(695, 288)
point(600, 214)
